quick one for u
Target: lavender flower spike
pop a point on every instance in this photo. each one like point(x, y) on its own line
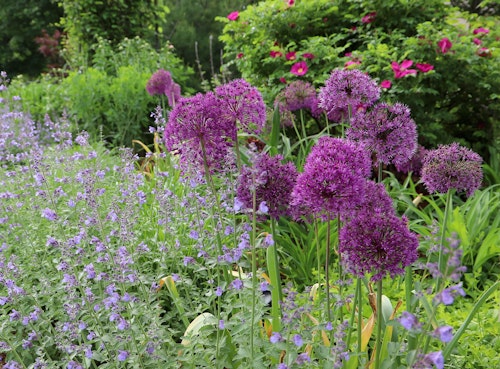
point(452, 167)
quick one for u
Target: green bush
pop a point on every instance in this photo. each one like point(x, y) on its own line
point(447, 103)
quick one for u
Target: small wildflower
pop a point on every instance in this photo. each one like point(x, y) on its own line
point(122, 355)
point(444, 333)
point(297, 340)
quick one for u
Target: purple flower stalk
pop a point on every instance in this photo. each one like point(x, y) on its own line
point(388, 131)
point(347, 91)
point(452, 167)
point(377, 243)
point(272, 182)
point(334, 177)
point(242, 105)
point(195, 129)
point(161, 83)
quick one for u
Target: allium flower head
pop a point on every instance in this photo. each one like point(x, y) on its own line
point(452, 166)
point(334, 177)
point(347, 89)
point(414, 164)
point(297, 95)
point(377, 243)
point(242, 105)
point(272, 181)
point(388, 131)
point(195, 129)
point(161, 83)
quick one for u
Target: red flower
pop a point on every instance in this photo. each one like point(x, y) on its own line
point(480, 30)
point(239, 56)
point(368, 18)
point(484, 52)
point(299, 69)
point(424, 67)
point(308, 56)
point(401, 70)
point(275, 54)
point(477, 41)
point(291, 55)
point(233, 16)
point(291, 2)
point(386, 83)
point(282, 80)
point(444, 45)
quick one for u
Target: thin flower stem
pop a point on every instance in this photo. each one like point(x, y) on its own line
point(378, 345)
point(327, 273)
point(447, 210)
point(412, 342)
point(254, 269)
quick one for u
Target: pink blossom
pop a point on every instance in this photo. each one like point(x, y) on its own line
point(368, 18)
point(477, 41)
point(424, 67)
point(444, 45)
point(480, 30)
point(275, 54)
point(239, 56)
point(386, 83)
point(484, 51)
point(352, 62)
point(308, 56)
point(299, 69)
point(291, 2)
point(283, 80)
point(292, 55)
point(233, 16)
point(401, 70)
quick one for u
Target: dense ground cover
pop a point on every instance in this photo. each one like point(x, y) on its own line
point(300, 217)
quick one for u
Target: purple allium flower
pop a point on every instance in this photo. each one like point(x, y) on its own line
point(377, 243)
point(444, 333)
point(161, 83)
point(388, 131)
point(195, 129)
point(409, 321)
point(347, 90)
point(242, 105)
point(452, 167)
point(413, 165)
point(334, 177)
point(122, 355)
point(297, 95)
point(272, 181)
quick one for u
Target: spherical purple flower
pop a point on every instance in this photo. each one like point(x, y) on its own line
point(161, 83)
point(334, 177)
point(297, 95)
point(377, 243)
point(272, 182)
point(195, 129)
point(452, 167)
point(413, 165)
point(388, 131)
point(347, 90)
point(242, 105)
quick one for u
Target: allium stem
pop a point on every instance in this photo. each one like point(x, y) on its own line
point(447, 210)
point(409, 306)
point(378, 345)
point(254, 273)
point(327, 273)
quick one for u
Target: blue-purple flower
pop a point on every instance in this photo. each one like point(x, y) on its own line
point(297, 95)
point(452, 167)
point(161, 83)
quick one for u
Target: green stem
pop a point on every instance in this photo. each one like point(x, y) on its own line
point(447, 210)
point(378, 345)
point(254, 271)
point(409, 307)
point(327, 273)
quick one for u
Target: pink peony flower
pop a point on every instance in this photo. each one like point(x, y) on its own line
point(291, 2)
point(401, 70)
point(386, 84)
point(299, 69)
point(292, 55)
point(308, 56)
point(239, 56)
point(368, 18)
point(283, 80)
point(275, 54)
point(233, 16)
point(477, 41)
point(424, 67)
point(444, 45)
point(481, 30)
